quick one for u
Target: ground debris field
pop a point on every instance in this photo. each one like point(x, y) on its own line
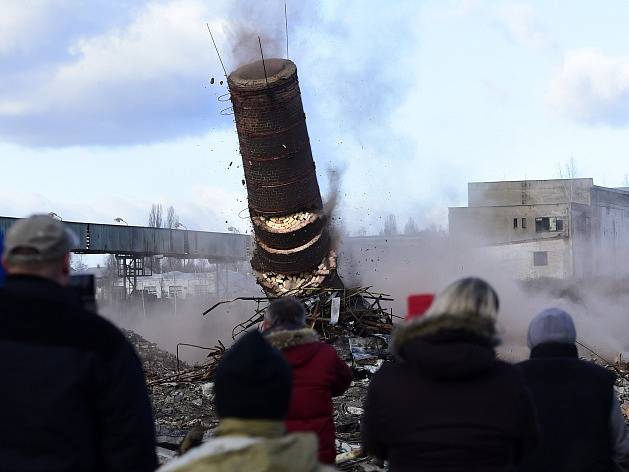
point(183, 399)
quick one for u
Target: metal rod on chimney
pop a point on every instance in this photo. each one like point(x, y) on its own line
point(217, 53)
point(286, 24)
point(263, 65)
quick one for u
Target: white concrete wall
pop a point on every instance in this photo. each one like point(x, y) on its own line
point(518, 258)
point(610, 245)
point(594, 241)
point(529, 192)
point(494, 225)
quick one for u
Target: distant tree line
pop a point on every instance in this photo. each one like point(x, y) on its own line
point(390, 227)
point(168, 264)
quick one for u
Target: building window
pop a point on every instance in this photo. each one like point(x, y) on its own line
point(542, 224)
point(546, 223)
point(523, 223)
point(540, 258)
point(515, 223)
point(175, 291)
point(201, 289)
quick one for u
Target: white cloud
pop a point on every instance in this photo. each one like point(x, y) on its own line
point(143, 81)
point(164, 40)
point(592, 87)
point(13, 107)
point(21, 22)
point(524, 28)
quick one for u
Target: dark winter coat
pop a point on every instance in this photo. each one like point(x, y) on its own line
point(73, 394)
point(447, 404)
point(318, 375)
point(574, 401)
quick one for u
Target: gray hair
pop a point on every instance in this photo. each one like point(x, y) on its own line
point(466, 297)
point(286, 313)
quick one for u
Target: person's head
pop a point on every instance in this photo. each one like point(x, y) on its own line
point(552, 325)
point(285, 313)
point(252, 381)
point(39, 245)
point(466, 297)
point(468, 307)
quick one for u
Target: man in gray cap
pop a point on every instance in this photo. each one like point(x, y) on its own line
point(581, 423)
point(73, 394)
point(39, 246)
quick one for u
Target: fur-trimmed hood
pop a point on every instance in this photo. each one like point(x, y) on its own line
point(285, 338)
point(299, 346)
point(418, 327)
point(446, 346)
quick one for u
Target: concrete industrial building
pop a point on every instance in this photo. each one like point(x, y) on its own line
point(547, 228)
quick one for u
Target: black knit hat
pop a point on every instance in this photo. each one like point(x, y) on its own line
point(252, 381)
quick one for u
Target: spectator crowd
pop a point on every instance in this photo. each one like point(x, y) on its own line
point(74, 396)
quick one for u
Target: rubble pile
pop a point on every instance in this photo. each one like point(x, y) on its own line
point(156, 362)
point(181, 395)
point(620, 367)
point(622, 389)
point(348, 410)
point(183, 399)
point(179, 407)
point(334, 313)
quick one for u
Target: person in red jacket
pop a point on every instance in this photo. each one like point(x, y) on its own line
point(318, 373)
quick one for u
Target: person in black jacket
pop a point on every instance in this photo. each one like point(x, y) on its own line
point(73, 394)
point(447, 403)
point(582, 426)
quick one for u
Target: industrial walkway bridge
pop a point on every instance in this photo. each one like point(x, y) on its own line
point(133, 244)
point(144, 241)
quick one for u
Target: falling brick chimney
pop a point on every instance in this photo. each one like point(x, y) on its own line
point(293, 247)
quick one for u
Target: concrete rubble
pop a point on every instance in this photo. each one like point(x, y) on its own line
point(620, 367)
point(622, 387)
point(156, 362)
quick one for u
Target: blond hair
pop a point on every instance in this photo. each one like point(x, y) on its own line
point(466, 297)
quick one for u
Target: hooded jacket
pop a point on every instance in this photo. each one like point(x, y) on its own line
point(447, 404)
point(318, 375)
point(252, 446)
point(73, 395)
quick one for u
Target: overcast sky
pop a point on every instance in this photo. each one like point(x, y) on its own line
point(106, 106)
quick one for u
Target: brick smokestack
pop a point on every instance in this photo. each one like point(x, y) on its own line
point(293, 246)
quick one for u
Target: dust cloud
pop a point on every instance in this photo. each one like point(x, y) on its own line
point(167, 323)
point(399, 266)
point(426, 263)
